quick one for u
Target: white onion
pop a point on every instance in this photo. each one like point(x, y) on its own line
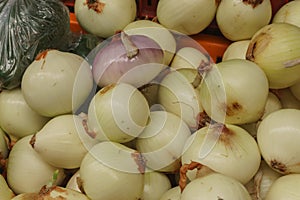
point(242, 80)
point(288, 13)
point(240, 19)
point(277, 136)
point(155, 185)
point(287, 98)
point(118, 112)
point(285, 187)
point(295, 89)
point(260, 184)
point(5, 192)
point(189, 57)
point(178, 93)
point(104, 18)
point(158, 33)
point(27, 171)
point(276, 49)
point(74, 182)
point(172, 194)
point(235, 153)
point(215, 186)
point(63, 141)
point(236, 49)
point(16, 117)
point(112, 171)
point(56, 83)
point(187, 17)
point(162, 141)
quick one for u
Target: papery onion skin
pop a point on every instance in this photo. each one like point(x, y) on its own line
point(112, 64)
point(215, 186)
point(276, 49)
point(104, 18)
point(239, 20)
point(277, 137)
point(187, 17)
point(16, 116)
point(285, 187)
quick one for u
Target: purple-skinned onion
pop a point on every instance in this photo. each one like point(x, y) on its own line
point(134, 59)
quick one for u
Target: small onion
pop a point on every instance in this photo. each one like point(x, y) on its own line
point(236, 49)
point(277, 137)
point(215, 186)
point(172, 194)
point(104, 18)
point(178, 93)
point(5, 192)
point(260, 184)
point(287, 99)
point(112, 171)
point(27, 171)
point(16, 117)
point(158, 33)
point(118, 112)
point(56, 83)
point(235, 153)
point(155, 185)
point(240, 19)
point(242, 80)
point(187, 17)
point(63, 141)
point(285, 187)
point(162, 141)
point(288, 13)
point(295, 89)
point(276, 49)
point(134, 59)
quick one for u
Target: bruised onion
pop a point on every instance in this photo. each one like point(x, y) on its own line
point(133, 59)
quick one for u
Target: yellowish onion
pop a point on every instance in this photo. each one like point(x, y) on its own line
point(276, 49)
point(236, 49)
point(288, 13)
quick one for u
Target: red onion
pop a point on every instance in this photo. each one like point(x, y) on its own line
point(134, 59)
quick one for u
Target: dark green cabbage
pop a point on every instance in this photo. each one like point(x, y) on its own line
point(26, 28)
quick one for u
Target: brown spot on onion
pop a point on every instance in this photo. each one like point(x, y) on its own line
point(233, 108)
point(106, 88)
point(42, 55)
point(140, 160)
point(253, 3)
point(32, 141)
point(278, 166)
point(96, 5)
point(258, 44)
point(184, 169)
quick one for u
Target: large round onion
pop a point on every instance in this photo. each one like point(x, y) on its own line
point(112, 171)
point(240, 19)
point(16, 118)
point(104, 18)
point(57, 83)
point(277, 136)
point(234, 153)
point(276, 49)
point(243, 80)
point(134, 59)
point(118, 112)
point(215, 186)
point(186, 16)
point(288, 13)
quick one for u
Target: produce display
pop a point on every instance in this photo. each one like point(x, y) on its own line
point(134, 108)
